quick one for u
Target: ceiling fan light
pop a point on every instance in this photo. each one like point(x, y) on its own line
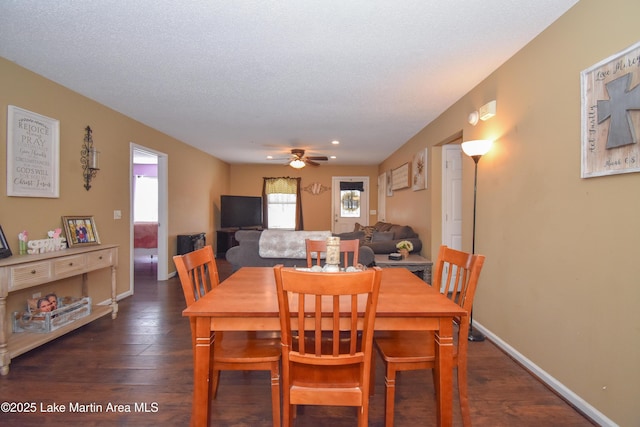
point(296, 163)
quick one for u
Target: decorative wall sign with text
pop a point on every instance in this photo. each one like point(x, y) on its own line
point(401, 177)
point(33, 154)
point(611, 115)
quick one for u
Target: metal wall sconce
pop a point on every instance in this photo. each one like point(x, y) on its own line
point(89, 159)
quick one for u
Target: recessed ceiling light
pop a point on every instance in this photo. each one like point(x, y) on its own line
point(335, 142)
point(269, 157)
point(333, 157)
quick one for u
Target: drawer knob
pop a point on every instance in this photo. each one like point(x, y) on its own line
point(70, 264)
point(100, 257)
point(33, 272)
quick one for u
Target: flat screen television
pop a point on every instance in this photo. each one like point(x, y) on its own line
point(240, 211)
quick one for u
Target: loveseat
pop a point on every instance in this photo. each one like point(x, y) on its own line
point(247, 253)
point(382, 237)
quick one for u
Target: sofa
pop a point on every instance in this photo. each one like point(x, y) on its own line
point(382, 237)
point(248, 252)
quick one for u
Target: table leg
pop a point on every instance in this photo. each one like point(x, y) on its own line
point(203, 353)
point(444, 372)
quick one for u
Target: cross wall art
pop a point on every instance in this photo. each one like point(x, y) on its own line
point(611, 115)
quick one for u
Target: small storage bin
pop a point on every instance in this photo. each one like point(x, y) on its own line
point(47, 322)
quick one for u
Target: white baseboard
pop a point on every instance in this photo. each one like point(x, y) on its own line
point(584, 407)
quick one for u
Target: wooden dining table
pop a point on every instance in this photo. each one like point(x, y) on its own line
point(247, 301)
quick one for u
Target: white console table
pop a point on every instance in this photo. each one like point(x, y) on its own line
point(28, 271)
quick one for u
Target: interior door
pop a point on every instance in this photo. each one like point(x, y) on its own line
point(452, 197)
point(382, 197)
point(161, 160)
point(349, 206)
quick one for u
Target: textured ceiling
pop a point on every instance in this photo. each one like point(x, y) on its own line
point(246, 79)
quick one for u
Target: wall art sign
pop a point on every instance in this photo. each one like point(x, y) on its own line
point(611, 115)
point(419, 170)
point(401, 177)
point(33, 154)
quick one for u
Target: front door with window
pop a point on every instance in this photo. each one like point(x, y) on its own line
point(350, 202)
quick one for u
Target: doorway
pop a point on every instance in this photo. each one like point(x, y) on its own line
point(451, 198)
point(382, 197)
point(349, 202)
point(149, 207)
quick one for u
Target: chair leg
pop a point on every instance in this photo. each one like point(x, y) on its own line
point(363, 412)
point(215, 381)
point(287, 410)
point(372, 376)
point(275, 393)
point(390, 395)
point(463, 396)
point(362, 417)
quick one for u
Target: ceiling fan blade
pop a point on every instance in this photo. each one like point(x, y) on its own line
point(323, 158)
point(310, 162)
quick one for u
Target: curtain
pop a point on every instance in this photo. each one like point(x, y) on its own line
point(353, 186)
point(282, 185)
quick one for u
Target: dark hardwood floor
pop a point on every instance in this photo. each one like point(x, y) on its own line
point(142, 361)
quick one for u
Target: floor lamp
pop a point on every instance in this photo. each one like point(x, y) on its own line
point(475, 149)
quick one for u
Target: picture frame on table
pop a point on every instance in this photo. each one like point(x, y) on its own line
point(5, 250)
point(80, 230)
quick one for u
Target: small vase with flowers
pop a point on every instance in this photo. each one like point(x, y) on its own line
point(404, 247)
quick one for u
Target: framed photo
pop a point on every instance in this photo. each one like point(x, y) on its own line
point(33, 154)
point(5, 251)
point(419, 169)
point(80, 230)
point(611, 115)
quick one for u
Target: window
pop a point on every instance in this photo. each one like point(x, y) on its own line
point(350, 199)
point(282, 209)
point(350, 203)
point(145, 200)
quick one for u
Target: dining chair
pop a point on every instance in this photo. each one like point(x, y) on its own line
point(414, 350)
point(232, 351)
point(317, 370)
point(350, 249)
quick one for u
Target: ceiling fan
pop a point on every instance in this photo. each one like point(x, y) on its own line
point(298, 160)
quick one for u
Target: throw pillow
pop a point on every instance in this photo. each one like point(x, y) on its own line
point(383, 226)
point(368, 231)
point(382, 236)
point(353, 235)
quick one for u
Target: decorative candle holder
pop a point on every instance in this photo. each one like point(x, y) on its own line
point(333, 254)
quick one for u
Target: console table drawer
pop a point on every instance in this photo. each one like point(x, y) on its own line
point(27, 275)
point(69, 265)
point(100, 259)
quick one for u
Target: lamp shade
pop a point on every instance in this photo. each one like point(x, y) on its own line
point(478, 147)
point(297, 164)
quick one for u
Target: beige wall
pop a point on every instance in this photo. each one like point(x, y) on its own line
point(190, 206)
point(246, 180)
point(560, 284)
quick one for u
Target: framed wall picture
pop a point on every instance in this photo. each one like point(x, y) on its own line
point(33, 154)
point(611, 115)
point(5, 251)
point(401, 177)
point(80, 230)
point(419, 171)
